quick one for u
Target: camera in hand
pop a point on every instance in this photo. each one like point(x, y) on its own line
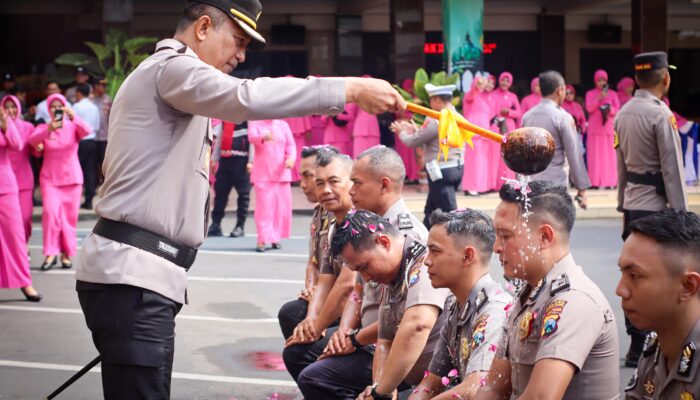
point(58, 117)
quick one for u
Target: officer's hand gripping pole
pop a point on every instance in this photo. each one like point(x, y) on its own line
point(527, 150)
point(75, 377)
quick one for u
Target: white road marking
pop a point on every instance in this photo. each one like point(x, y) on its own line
point(223, 253)
point(176, 375)
point(57, 310)
point(83, 230)
point(206, 278)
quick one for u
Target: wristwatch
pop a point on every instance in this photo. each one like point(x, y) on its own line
point(377, 396)
point(352, 338)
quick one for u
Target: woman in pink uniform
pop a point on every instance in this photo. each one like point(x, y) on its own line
point(318, 128)
point(365, 132)
point(61, 179)
point(338, 131)
point(506, 109)
point(625, 90)
point(275, 155)
point(479, 170)
point(602, 104)
point(571, 106)
point(14, 265)
point(301, 128)
point(533, 98)
point(20, 161)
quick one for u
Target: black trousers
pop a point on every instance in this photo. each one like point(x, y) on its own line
point(300, 356)
point(100, 158)
point(343, 377)
point(134, 331)
point(231, 174)
point(87, 154)
point(441, 193)
point(637, 335)
point(290, 315)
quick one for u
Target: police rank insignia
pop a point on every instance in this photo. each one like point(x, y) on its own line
point(687, 356)
point(552, 313)
point(687, 396)
point(479, 334)
point(525, 326)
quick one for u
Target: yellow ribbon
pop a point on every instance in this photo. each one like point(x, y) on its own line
point(450, 134)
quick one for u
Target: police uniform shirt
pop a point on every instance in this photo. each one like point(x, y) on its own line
point(318, 242)
point(652, 381)
point(471, 334)
point(410, 288)
point(566, 317)
point(329, 264)
point(428, 137)
point(548, 115)
point(157, 162)
point(649, 142)
point(402, 219)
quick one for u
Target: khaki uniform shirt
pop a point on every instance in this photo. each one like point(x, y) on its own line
point(157, 162)
point(400, 217)
point(329, 264)
point(411, 287)
point(566, 317)
point(652, 381)
point(318, 242)
point(567, 154)
point(428, 137)
point(469, 338)
point(649, 142)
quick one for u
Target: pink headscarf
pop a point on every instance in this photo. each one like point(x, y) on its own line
point(624, 84)
point(56, 96)
point(407, 85)
point(533, 83)
point(573, 90)
point(506, 75)
point(17, 104)
point(600, 74)
point(492, 78)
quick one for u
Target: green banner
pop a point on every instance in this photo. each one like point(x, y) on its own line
point(463, 31)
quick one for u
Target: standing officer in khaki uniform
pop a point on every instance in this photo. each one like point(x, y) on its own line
point(410, 313)
point(561, 339)
point(460, 247)
point(344, 369)
point(660, 291)
point(132, 272)
point(649, 159)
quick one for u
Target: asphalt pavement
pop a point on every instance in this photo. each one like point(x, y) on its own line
point(228, 343)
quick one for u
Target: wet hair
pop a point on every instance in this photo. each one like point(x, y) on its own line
point(651, 78)
point(311, 151)
point(49, 83)
point(83, 89)
point(193, 11)
point(326, 157)
point(678, 232)
point(546, 199)
point(384, 161)
point(550, 81)
point(468, 226)
point(359, 230)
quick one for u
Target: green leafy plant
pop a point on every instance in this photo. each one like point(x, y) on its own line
point(420, 95)
point(114, 59)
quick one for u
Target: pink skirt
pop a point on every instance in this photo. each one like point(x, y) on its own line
point(273, 211)
point(602, 160)
point(26, 204)
point(478, 172)
point(60, 218)
point(14, 265)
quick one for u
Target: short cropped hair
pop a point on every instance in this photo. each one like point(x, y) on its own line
point(468, 226)
point(678, 232)
point(326, 157)
point(311, 151)
point(359, 230)
point(193, 11)
point(49, 83)
point(550, 81)
point(83, 89)
point(650, 78)
point(544, 199)
point(385, 161)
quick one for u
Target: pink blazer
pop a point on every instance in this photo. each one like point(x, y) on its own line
point(268, 165)
point(299, 126)
point(507, 99)
point(366, 124)
point(9, 140)
point(61, 165)
point(20, 158)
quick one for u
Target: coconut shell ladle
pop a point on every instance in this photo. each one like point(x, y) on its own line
point(526, 151)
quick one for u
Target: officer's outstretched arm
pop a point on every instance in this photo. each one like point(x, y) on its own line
point(497, 385)
point(549, 380)
point(408, 345)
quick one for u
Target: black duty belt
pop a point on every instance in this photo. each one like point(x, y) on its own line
point(650, 179)
point(154, 243)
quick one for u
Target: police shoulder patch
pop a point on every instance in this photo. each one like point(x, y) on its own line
point(414, 276)
point(479, 332)
point(550, 321)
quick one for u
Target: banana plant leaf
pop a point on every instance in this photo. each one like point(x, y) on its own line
point(134, 44)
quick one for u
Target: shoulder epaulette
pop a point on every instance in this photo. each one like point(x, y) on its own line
point(560, 284)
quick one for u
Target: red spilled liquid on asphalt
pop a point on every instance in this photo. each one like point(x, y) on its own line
point(266, 361)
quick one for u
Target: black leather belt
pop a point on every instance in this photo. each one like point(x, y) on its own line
point(649, 179)
point(154, 243)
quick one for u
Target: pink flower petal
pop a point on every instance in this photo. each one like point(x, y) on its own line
point(426, 373)
point(508, 306)
point(493, 348)
point(347, 223)
point(453, 372)
point(372, 228)
point(482, 382)
point(355, 232)
point(445, 380)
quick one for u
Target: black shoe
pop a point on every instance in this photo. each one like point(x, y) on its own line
point(48, 263)
point(86, 206)
point(34, 298)
point(215, 230)
point(631, 359)
point(237, 232)
point(276, 246)
point(66, 264)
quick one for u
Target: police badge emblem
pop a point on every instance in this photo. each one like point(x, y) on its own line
point(525, 326)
